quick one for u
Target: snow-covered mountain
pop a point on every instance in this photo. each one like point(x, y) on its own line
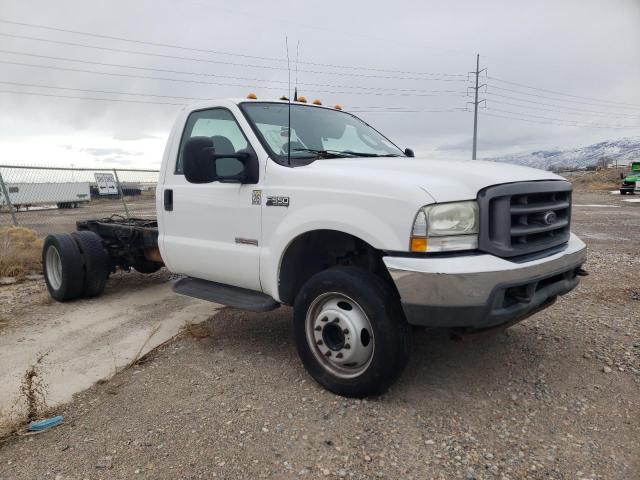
point(622, 151)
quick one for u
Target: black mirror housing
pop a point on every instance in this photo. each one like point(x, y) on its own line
point(409, 153)
point(199, 162)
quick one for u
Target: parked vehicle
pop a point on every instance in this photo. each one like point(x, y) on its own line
point(323, 213)
point(62, 194)
point(631, 181)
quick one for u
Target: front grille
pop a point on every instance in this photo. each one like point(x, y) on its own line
point(524, 217)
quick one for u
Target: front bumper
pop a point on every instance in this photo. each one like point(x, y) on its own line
point(480, 290)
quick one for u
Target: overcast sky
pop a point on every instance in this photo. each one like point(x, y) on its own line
point(585, 48)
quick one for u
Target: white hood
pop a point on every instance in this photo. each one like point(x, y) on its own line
point(443, 180)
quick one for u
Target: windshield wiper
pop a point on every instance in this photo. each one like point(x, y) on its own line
point(341, 153)
point(322, 153)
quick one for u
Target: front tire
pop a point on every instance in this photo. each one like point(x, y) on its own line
point(350, 332)
point(63, 270)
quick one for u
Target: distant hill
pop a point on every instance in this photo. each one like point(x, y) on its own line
point(623, 151)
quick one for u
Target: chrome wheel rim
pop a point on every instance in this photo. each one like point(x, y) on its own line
point(339, 334)
point(54, 267)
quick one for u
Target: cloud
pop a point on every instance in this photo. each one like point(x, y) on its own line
point(102, 152)
point(530, 43)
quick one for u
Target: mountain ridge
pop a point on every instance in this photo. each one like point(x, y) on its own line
point(623, 151)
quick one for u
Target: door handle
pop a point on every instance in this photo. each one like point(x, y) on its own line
point(168, 200)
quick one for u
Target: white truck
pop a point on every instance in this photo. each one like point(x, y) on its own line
point(61, 194)
point(269, 203)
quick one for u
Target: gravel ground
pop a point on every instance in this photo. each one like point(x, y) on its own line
point(555, 397)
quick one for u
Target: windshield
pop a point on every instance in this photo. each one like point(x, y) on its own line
point(315, 132)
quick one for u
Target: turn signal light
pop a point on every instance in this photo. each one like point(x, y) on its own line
point(419, 244)
point(252, 96)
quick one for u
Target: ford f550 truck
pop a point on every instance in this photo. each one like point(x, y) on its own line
point(269, 203)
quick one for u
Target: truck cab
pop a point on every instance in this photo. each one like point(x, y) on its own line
point(269, 203)
point(312, 207)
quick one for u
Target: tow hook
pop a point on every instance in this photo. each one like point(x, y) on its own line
point(581, 272)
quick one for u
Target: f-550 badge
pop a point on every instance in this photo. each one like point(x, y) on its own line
point(277, 201)
point(256, 197)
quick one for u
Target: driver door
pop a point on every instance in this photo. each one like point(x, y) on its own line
point(212, 230)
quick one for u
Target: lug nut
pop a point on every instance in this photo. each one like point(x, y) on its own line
point(328, 354)
point(336, 320)
point(347, 346)
point(318, 328)
point(345, 331)
point(319, 342)
point(324, 319)
point(339, 355)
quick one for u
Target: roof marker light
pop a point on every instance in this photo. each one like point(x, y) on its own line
point(302, 99)
point(338, 107)
point(317, 102)
point(252, 96)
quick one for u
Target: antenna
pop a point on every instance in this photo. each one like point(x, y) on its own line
point(295, 92)
point(286, 42)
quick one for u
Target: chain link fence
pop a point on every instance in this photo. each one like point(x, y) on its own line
point(52, 199)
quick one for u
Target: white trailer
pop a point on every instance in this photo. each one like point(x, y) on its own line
point(63, 195)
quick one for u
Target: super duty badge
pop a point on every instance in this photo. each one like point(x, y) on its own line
point(274, 201)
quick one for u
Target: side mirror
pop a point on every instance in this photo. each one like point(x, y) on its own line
point(201, 164)
point(409, 153)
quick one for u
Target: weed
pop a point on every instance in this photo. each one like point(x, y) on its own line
point(20, 252)
point(34, 389)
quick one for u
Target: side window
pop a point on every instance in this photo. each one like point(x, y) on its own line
point(227, 136)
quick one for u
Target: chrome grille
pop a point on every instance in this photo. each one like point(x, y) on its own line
point(524, 217)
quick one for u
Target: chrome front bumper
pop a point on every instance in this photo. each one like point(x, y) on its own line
point(481, 290)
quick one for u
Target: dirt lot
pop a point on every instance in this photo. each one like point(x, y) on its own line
point(555, 397)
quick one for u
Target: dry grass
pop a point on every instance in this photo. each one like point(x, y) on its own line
point(607, 179)
point(20, 252)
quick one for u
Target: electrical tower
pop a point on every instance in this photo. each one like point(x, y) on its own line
point(475, 104)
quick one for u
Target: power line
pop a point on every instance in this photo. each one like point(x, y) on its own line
point(580, 110)
point(560, 93)
point(355, 109)
point(552, 123)
point(559, 99)
point(202, 82)
point(91, 98)
point(110, 92)
point(573, 122)
point(175, 57)
point(602, 114)
point(219, 52)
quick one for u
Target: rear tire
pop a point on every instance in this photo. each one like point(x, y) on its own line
point(62, 265)
point(97, 264)
point(350, 332)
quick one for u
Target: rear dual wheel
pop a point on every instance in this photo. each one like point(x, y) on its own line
point(75, 265)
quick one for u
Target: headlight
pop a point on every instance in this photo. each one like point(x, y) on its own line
point(445, 227)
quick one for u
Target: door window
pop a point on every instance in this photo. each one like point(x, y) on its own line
point(220, 125)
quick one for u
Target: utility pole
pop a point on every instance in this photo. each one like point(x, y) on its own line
point(475, 105)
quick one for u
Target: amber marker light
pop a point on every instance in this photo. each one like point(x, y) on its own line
point(252, 96)
point(419, 244)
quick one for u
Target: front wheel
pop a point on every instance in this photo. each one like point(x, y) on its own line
point(350, 332)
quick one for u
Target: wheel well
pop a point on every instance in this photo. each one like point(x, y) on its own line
point(318, 250)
